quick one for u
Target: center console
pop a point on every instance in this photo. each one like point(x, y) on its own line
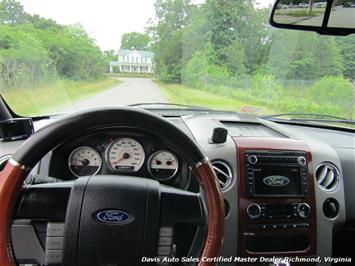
point(276, 198)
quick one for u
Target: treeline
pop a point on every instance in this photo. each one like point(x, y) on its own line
point(36, 50)
point(224, 39)
point(227, 47)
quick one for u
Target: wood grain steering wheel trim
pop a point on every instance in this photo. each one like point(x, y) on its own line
point(215, 208)
point(11, 179)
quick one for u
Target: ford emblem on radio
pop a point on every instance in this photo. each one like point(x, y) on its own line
point(276, 181)
point(113, 216)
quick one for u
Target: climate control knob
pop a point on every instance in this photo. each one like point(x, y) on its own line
point(302, 160)
point(303, 210)
point(254, 211)
point(252, 159)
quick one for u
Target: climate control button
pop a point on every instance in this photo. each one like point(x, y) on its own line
point(303, 210)
point(254, 211)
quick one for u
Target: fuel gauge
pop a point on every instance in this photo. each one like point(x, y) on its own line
point(163, 165)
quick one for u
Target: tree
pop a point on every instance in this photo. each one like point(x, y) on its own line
point(23, 58)
point(35, 50)
point(11, 13)
point(232, 20)
point(196, 35)
point(202, 68)
point(172, 17)
point(308, 56)
point(347, 45)
point(108, 57)
point(135, 41)
point(235, 57)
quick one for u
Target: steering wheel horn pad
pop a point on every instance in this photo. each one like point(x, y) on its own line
point(129, 209)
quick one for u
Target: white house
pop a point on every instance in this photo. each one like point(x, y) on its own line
point(133, 61)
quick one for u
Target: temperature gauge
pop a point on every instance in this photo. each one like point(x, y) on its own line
point(163, 165)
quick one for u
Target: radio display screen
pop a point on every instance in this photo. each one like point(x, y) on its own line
point(276, 180)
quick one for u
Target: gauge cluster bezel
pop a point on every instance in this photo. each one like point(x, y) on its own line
point(101, 139)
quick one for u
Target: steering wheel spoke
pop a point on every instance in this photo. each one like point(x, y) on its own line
point(180, 207)
point(43, 202)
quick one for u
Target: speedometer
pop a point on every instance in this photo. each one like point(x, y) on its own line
point(84, 161)
point(125, 155)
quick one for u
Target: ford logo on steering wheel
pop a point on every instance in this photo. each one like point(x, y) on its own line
point(113, 216)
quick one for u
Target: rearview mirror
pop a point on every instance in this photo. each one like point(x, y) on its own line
point(329, 17)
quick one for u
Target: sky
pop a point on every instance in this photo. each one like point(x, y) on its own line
point(104, 20)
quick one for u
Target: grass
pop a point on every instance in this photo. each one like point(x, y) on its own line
point(50, 98)
point(280, 101)
point(302, 12)
point(177, 93)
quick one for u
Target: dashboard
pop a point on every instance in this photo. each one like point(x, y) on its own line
point(287, 188)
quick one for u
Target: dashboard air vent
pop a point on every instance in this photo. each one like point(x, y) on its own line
point(3, 161)
point(327, 176)
point(223, 172)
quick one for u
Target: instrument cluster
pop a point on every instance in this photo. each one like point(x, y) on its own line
point(109, 153)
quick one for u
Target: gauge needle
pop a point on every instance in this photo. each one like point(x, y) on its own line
point(118, 160)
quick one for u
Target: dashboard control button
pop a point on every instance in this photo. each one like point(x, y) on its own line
point(302, 160)
point(54, 242)
point(164, 250)
point(165, 241)
point(254, 211)
point(166, 231)
point(252, 159)
point(260, 226)
point(303, 210)
point(55, 229)
point(302, 225)
point(53, 257)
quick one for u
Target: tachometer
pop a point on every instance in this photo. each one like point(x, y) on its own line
point(163, 165)
point(84, 161)
point(126, 155)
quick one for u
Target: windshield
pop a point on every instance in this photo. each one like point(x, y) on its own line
point(59, 55)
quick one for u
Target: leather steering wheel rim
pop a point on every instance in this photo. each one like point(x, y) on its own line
point(31, 152)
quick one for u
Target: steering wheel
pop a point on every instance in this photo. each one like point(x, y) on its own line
point(117, 220)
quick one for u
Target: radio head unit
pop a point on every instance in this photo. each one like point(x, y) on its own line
point(283, 174)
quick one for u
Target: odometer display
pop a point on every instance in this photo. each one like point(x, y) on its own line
point(125, 155)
